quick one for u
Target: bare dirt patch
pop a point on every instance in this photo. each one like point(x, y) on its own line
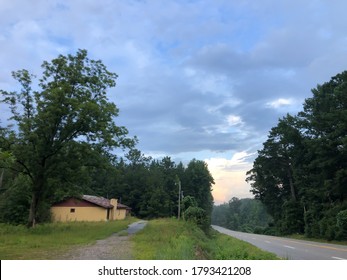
point(116, 247)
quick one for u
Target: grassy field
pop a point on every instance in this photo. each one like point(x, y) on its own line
point(47, 241)
point(169, 239)
point(163, 239)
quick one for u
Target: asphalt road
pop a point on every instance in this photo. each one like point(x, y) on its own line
point(291, 249)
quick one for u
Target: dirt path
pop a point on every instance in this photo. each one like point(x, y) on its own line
point(116, 247)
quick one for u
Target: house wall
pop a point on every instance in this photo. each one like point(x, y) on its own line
point(80, 210)
point(64, 214)
point(113, 214)
point(120, 214)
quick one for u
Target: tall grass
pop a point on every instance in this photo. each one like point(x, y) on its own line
point(169, 239)
point(47, 241)
point(163, 239)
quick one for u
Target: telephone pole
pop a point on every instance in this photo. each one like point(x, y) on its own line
point(178, 182)
point(179, 199)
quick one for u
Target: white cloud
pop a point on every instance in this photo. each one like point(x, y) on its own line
point(280, 102)
point(234, 120)
point(230, 175)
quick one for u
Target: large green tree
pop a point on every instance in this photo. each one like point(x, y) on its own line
point(301, 173)
point(197, 182)
point(65, 113)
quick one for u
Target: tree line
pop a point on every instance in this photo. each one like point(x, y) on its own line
point(300, 174)
point(248, 215)
point(62, 139)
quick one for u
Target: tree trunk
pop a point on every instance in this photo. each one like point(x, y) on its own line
point(291, 183)
point(36, 198)
point(1, 177)
point(33, 210)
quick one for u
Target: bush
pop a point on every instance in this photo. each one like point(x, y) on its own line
point(293, 220)
point(342, 224)
point(15, 202)
point(198, 216)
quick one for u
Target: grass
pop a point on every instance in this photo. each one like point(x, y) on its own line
point(47, 241)
point(162, 239)
point(169, 239)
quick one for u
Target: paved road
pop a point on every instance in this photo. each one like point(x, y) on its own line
point(291, 249)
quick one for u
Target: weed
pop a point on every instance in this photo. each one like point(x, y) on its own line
point(170, 239)
point(47, 241)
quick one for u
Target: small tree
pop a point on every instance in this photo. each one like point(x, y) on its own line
point(191, 212)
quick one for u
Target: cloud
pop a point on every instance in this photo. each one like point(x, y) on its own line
point(234, 120)
point(194, 77)
point(280, 102)
point(230, 175)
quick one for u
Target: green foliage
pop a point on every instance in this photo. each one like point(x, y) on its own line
point(198, 216)
point(149, 186)
point(188, 201)
point(248, 215)
point(170, 239)
point(301, 173)
point(197, 182)
point(68, 113)
point(15, 201)
point(342, 224)
point(292, 221)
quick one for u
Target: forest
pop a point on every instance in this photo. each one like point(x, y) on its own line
point(300, 174)
point(62, 140)
point(248, 215)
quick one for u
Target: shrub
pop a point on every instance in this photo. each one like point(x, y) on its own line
point(198, 216)
point(342, 224)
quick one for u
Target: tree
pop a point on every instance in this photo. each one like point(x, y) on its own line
point(301, 173)
point(197, 182)
point(325, 121)
point(70, 108)
point(275, 171)
point(248, 215)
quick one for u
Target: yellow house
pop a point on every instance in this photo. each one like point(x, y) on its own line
point(89, 208)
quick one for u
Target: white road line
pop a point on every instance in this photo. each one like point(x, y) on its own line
point(267, 241)
point(290, 247)
point(254, 238)
point(336, 258)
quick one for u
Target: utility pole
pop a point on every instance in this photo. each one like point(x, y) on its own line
point(179, 199)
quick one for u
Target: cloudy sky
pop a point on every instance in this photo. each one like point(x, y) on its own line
point(197, 79)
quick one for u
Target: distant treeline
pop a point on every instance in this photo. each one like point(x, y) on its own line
point(248, 215)
point(300, 174)
point(148, 186)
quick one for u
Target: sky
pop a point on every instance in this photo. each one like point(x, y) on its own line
point(197, 79)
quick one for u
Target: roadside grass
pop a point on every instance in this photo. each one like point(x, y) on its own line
point(48, 241)
point(170, 239)
point(303, 237)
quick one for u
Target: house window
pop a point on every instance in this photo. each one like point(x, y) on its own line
point(72, 210)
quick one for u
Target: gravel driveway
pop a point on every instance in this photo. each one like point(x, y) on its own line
point(116, 247)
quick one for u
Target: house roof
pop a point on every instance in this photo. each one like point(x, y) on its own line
point(98, 200)
point(122, 206)
point(103, 202)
